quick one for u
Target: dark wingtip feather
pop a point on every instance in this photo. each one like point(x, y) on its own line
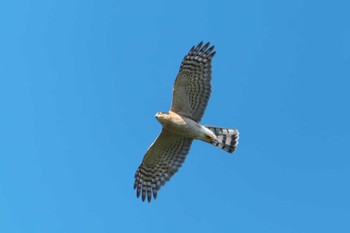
point(192, 49)
point(155, 194)
point(204, 48)
point(211, 55)
point(149, 196)
point(209, 50)
point(199, 45)
point(138, 192)
point(143, 194)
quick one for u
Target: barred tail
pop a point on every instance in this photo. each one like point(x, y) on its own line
point(227, 139)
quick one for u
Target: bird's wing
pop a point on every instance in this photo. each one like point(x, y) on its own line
point(192, 85)
point(162, 160)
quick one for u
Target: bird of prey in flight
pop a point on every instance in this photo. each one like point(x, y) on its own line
point(182, 124)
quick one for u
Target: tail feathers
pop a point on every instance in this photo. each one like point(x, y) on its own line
point(227, 139)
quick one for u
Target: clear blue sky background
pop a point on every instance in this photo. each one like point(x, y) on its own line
point(80, 82)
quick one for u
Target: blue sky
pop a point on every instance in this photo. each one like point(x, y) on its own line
point(80, 82)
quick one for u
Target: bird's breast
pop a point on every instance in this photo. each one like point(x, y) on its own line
point(183, 126)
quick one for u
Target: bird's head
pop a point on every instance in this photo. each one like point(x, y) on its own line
point(161, 116)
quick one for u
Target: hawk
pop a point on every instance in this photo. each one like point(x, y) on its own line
point(181, 125)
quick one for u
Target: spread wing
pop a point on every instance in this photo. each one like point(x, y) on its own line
point(192, 85)
point(162, 160)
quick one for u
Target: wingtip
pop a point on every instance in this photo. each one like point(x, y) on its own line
point(138, 193)
point(154, 194)
point(149, 196)
point(206, 45)
point(210, 56)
